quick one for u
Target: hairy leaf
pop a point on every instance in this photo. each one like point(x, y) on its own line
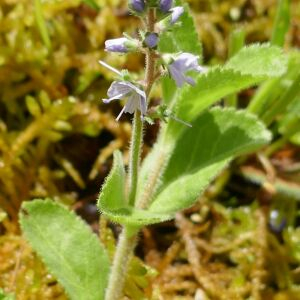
point(112, 195)
point(210, 87)
point(136, 217)
point(68, 247)
point(183, 192)
point(259, 60)
point(203, 151)
point(112, 201)
point(183, 38)
point(248, 67)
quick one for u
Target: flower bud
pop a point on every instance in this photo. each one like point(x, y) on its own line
point(165, 5)
point(176, 14)
point(137, 5)
point(151, 40)
point(171, 19)
point(121, 45)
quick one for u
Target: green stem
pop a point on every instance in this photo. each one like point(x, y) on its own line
point(236, 42)
point(128, 237)
point(281, 104)
point(136, 142)
point(122, 258)
point(263, 95)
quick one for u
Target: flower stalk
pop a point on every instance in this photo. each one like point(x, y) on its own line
point(124, 253)
point(127, 241)
point(134, 162)
point(178, 65)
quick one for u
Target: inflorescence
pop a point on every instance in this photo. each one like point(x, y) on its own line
point(175, 65)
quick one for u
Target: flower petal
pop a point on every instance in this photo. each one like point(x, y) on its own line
point(190, 80)
point(186, 61)
point(132, 103)
point(143, 105)
point(136, 89)
point(118, 88)
point(177, 75)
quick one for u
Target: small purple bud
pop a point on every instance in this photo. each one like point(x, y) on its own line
point(121, 45)
point(137, 5)
point(116, 45)
point(165, 5)
point(151, 40)
point(176, 14)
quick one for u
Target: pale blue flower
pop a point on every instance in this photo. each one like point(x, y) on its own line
point(183, 63)
point(136, 97)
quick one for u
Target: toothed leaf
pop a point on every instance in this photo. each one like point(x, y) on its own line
point(71, 252)
point(203, 151)
point(182, 36)
point(248, 67)
point(259, 60)
point(210, 87)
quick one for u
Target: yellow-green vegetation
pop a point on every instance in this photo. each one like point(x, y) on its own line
point(57, 140)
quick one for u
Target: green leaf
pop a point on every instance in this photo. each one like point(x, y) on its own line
point(183, 36)
point(210, 87)
point(112, 201)
point(259, 60)
point(168, 89)
point(248, 67)
point(203, 151)
point(134, 217)
point(183, 192)
point(112, 195)
point(68, 247)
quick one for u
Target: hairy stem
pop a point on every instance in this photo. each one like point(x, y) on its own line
point(135, 149)
point(118, 273)
point(128, 240)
